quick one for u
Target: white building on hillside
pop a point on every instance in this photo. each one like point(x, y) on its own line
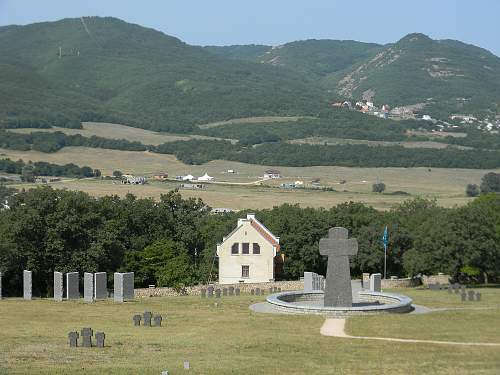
point(206, 177)
point(249, 254)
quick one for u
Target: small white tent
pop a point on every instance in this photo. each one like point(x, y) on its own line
point(206, 177)
point(188, 177)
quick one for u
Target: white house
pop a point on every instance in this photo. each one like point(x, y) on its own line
point(187, 177)
point(272, 174)
point(249, 254)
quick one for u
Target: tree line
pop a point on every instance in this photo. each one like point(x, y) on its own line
point(41, 168)
point(172, 242)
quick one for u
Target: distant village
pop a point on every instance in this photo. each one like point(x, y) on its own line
point(411, 112)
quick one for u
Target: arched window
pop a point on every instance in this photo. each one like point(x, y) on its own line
point(235, 249)
point(256, 248)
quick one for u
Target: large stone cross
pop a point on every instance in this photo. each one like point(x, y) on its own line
point(337, 246)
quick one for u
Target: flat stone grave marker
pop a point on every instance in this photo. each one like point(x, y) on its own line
point(88, 287)
point(73, 339)
point(72, 285)
point(137, 320)
point(224, 291)
point(157, 320)
point(210, 291)
point(27, 285)
point(478, 296)
point(231, 291)
point(86, 334)
point(338, 247)
point(100, 285)
point(464, 296)
point(375, 282)
point(237, 291)
point(147, 318)
point(99, 339)
point(471, 294)
point(203, 293)
point(58, 286)
point(217, 293)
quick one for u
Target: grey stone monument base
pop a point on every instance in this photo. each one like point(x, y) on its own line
point(27, 285)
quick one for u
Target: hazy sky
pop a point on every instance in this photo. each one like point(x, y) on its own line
point(223, 22)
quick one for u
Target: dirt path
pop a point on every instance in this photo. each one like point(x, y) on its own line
point(336, 328)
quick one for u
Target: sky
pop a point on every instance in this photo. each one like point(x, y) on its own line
point(274, 22)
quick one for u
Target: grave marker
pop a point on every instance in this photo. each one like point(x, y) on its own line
point(231, 291)
point(203, 293)
point(86, 334)
point(224, 291)
point(375, 282)
point(464, 296)
point(27, 285)
point(0, 285)
point(58, 286)
point(88, 287)
point(157, 320)
point(147, 318)
point(237, 291)
point(338, 247)
point(99, 339)
point(478, 297)
point(100, 285)
point(252, 292)
point(217, 293)
point(123, 286)
point(210, 291)
point(137, 320)
point(471, 294)
point(72, 285)
point(257, 291)
point(73, 339)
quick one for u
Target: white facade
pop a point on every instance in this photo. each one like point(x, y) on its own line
point(247, 254)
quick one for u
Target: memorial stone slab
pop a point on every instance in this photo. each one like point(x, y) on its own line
point(210, 291)
point(375, 282)
point(118, 287)
point(58, 286)
point(100, 285)
point(231, 291)
point(72, 285)
point(338, 247)
point(366, 280)
point(224, 291)
point(217, 293)
point(471, 294)
point(128, 286)
point(86, 334)
point(137, 320)
point(237, 291)
point(99, 339)
point(308, 282)
point(27, 285)
point(203, 293)
point(147, 318)
point(88, 287)
point(157, 320)
point(73, 339)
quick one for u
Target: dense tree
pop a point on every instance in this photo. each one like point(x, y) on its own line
point(472, 190)
point(490, 183)
point(378, 187)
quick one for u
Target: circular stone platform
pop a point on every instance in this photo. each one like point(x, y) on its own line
point(364, 302)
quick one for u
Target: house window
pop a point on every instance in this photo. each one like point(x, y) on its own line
point(234, 249)
point(245, 272)
point(245, 248)
point(256, 248)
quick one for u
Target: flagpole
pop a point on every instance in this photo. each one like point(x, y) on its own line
point(385, 261)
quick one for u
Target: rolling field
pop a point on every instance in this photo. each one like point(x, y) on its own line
point(231, 339)
point(445, 185)
point(254, 120)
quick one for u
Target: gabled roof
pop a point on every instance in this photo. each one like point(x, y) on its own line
point(260, 228)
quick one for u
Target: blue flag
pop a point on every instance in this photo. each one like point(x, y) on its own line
point(385, 238)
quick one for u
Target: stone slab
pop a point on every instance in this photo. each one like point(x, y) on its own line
point(72, 285)
point(27, 285)
point(100, 285)
point(88, 287)
point(376, 282)
point(0, 285)
point(58, 286)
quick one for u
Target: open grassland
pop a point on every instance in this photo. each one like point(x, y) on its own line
point(446, 185)
point(254, 120)
point(346, 141)
point(231, 339)
point(116, 131)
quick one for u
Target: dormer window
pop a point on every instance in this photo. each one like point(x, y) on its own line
point(235, 249)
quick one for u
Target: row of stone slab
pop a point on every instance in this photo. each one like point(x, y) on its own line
point(94, 286)
point(86, 335)
point(232, 291)
point(146, 319)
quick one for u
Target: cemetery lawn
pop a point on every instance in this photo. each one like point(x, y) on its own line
point(231, 339)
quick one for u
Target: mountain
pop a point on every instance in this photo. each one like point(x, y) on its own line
point(105, 69)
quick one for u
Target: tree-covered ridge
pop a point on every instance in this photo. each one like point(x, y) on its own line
point(41, 168)
point(172, 242)
point(124, 73)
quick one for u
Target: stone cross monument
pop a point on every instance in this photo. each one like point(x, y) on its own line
point(337, 246)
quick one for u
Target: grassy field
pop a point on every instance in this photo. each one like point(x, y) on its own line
point(116, 131)
point(231, 339)
point(445, 185)
point(253, 120)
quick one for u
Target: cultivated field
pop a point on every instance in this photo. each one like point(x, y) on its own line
point(231, 339)
point(115, 131)
point(445, 185)
point(254, 120)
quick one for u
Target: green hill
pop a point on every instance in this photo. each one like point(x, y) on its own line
point(104, 69)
